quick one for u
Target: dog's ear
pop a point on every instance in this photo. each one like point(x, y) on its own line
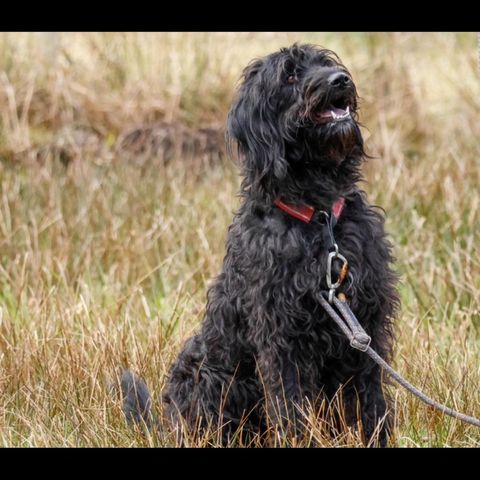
point(253, 123)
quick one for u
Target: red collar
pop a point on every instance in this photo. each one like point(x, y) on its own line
point(305, 212)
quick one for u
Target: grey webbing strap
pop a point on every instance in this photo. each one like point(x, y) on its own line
point(359, 339)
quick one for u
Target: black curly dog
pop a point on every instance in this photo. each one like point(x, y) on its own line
point(266, 344)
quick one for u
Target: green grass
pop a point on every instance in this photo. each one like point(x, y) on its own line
point(104, 263)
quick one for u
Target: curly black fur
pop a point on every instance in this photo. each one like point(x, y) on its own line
point(265, 343)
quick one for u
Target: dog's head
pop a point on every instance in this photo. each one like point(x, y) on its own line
point(295, 109)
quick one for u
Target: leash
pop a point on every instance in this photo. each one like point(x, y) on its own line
point(343, 316)
point(360, 340)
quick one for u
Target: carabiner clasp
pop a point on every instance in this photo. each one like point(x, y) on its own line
point(332, 286)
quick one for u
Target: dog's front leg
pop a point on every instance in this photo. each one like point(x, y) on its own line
point(368, 407)
point(278, 376)
point(376, 411)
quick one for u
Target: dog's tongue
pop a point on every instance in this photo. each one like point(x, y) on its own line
point(338, 111)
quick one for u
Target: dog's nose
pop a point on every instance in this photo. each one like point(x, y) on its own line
point(339, 80)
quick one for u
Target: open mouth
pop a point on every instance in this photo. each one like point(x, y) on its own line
point(338, 111)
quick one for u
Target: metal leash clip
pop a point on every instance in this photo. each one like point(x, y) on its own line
point(341, 276)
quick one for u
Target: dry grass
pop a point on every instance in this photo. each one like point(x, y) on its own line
point(106, 262)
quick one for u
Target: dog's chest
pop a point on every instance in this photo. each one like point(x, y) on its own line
point(303, 256)
point(279, 253)
point(312, 244)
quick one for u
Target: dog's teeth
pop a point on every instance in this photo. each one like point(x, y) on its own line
point(340, 116)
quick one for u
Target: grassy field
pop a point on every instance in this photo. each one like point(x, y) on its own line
point(105, 258)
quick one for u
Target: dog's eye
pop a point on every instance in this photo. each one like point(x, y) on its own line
point(291, 79)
